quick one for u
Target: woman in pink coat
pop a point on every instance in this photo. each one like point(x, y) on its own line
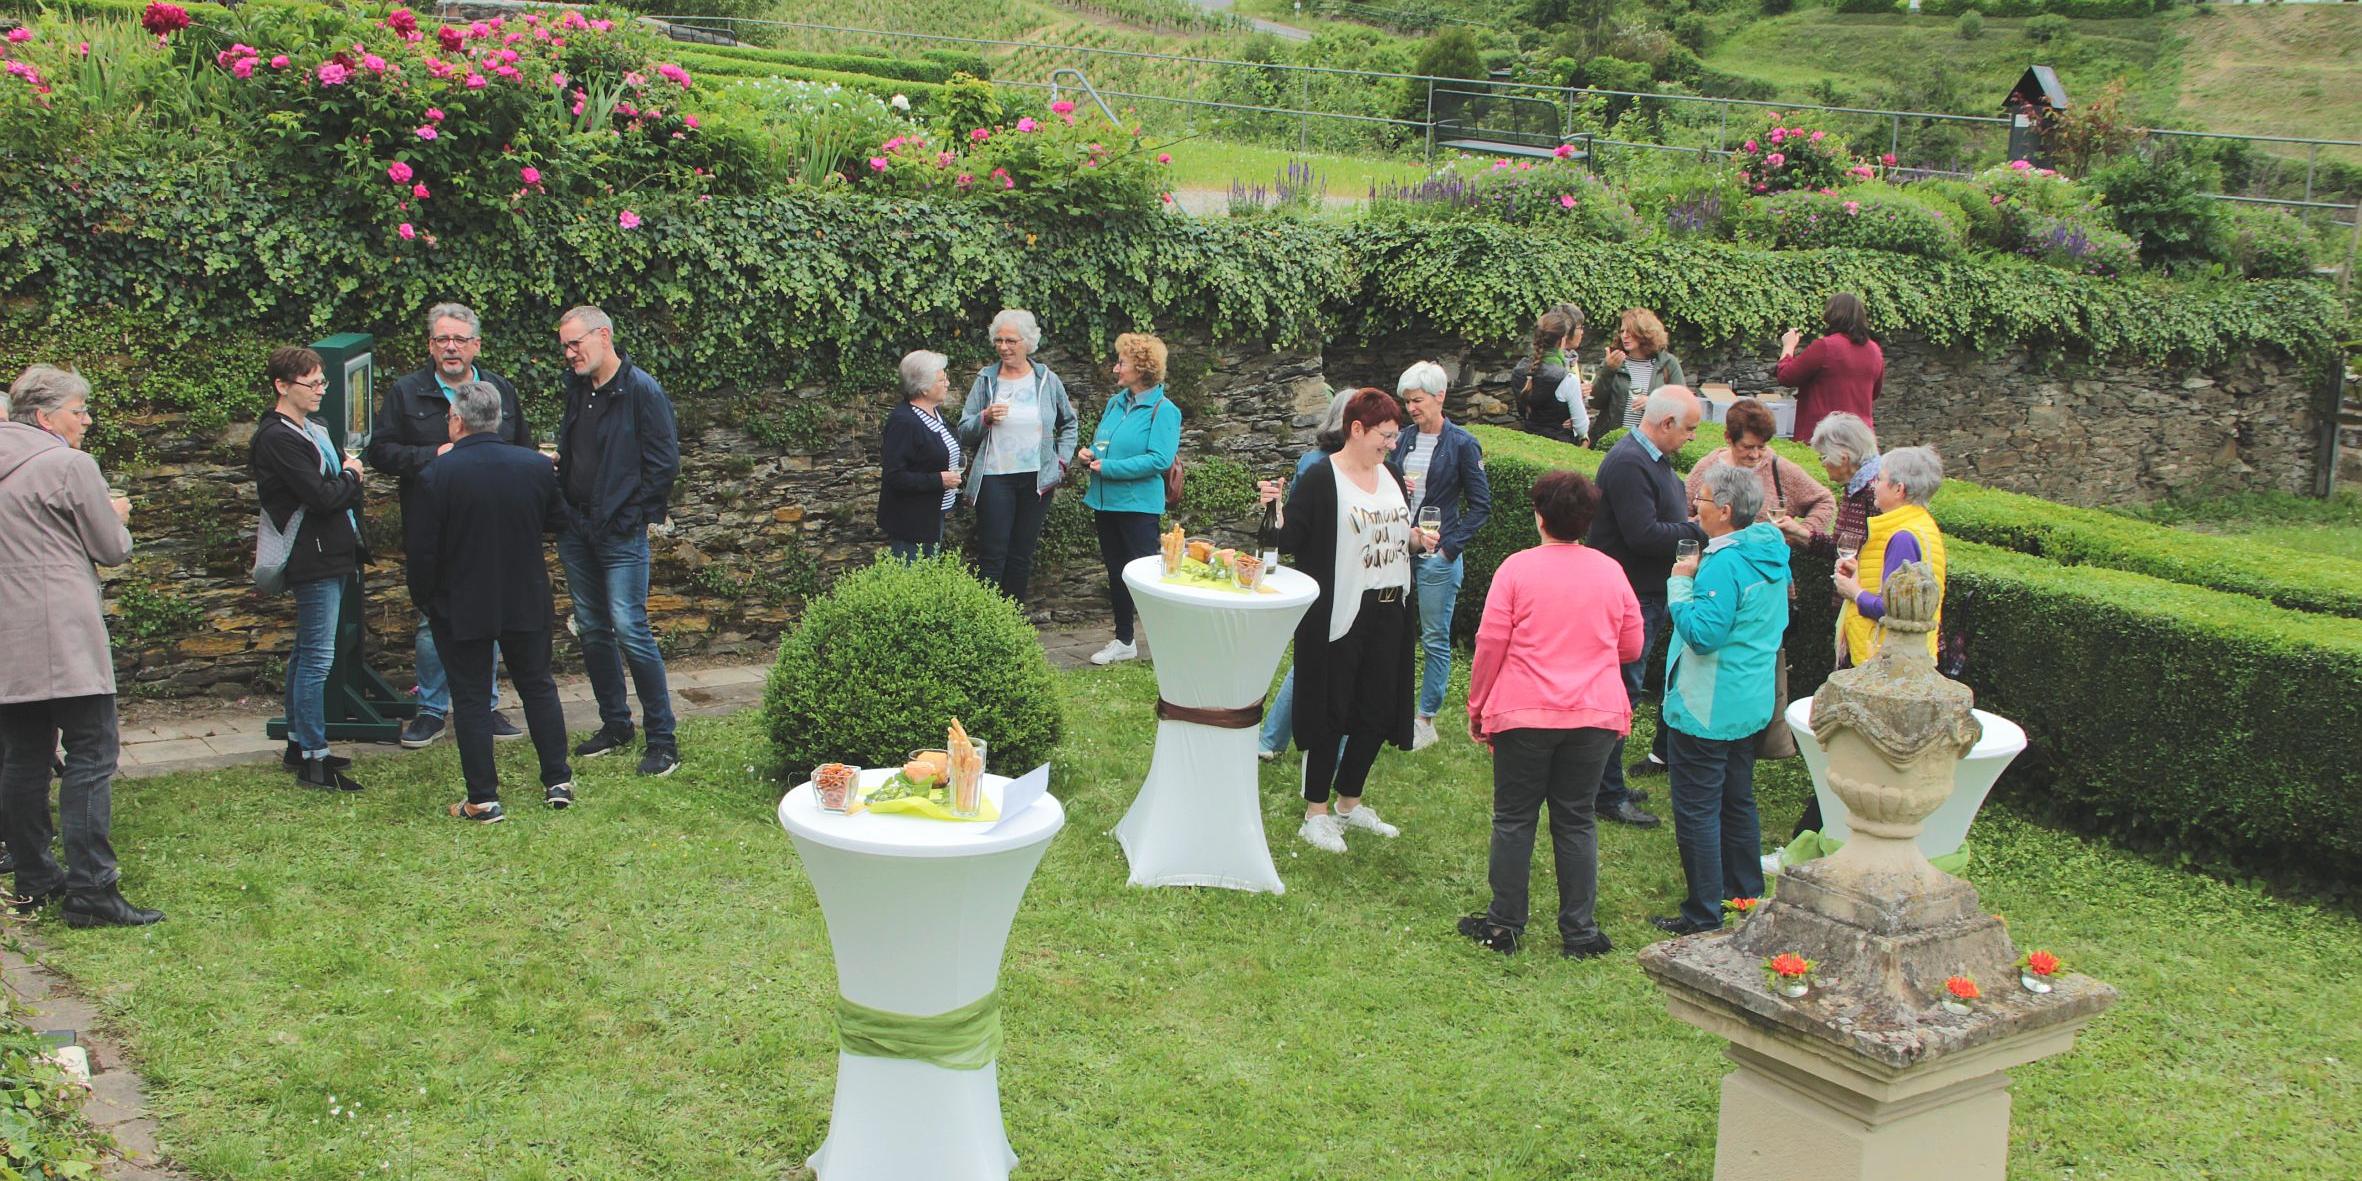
point(1546, 692)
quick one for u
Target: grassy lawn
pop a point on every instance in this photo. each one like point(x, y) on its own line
point(2332, 526)
point(640, 988)
point(1207, 163)
point(2292, 69)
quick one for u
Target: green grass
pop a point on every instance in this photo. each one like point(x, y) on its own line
point(1206, 163)
point(2277, 69)
point(2332, 527)
point(641, 987)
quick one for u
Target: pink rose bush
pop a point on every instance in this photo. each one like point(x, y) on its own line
point(1787, 157)
point(1075, 160)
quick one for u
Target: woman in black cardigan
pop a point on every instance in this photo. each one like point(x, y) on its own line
point(1353, 647)
point(920, 469)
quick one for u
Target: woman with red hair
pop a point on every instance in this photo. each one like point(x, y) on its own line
point(1348, 525)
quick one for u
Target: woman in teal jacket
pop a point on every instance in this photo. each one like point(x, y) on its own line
point(1137, 439)
point(1728, 608)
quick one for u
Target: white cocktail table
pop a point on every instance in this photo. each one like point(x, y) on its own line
point(1198, 820)
point(1947, 829)
point(918, 914)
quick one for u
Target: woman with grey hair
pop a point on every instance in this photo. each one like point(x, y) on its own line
point(919, 472)
point(1849, 453)
point(1021, 428)
point(57, 671)
point(1903, 531)
point(1279, 717)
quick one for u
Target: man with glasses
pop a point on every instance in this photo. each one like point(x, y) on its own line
point(407, 435)
point(1644, 512)
point(618, 454)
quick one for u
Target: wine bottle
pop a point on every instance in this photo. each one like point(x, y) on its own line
point(1267, 536)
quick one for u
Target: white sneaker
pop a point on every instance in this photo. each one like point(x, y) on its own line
point(1772, 865)
point(1268, 756)
point(1114, 651)
point(1323, 832)
point(1423, 733)
point(1367, 817)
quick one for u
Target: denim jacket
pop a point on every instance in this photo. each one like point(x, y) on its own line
point(1455, 483)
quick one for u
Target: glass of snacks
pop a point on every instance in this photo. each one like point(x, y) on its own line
point(835, 786)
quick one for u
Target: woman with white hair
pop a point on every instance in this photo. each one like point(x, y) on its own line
point(1021, 428)
point(919, 460)
point(57, 672)
point(1903, 531)
point(1443, 470)
point(1849, 453)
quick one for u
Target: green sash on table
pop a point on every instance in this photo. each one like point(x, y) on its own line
point(967, 1038)
point(1812, 846)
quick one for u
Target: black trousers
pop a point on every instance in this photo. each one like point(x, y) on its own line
point(1009, 514)
point(85, 794)
point(469, 664)
point(1533, 767)
point(1123, 537)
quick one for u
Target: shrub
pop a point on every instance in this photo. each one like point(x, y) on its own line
point(880, 664)
point(2074, 245)
point(2269, 243)
point(1062, 161)
point(2048, 27)
point(1865, 217)
point(1691, 30)
point(2104, 9)
point(2158, 202)
point(1614, 73)
point(42, 1134)
point(966, 103)
point(1871, 6)
point(1783, 156)
point(1970, 26)
point(1557, 193)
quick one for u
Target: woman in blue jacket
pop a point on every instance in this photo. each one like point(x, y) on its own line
point(1137, 439)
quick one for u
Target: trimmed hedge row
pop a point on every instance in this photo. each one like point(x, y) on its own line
point(734, 68)
point(2174, 716)
point(842, 63)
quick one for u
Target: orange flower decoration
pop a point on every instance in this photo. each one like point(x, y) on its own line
point(1961, 987)
point(1741, 906)
point(2042, 963)
point(1788, 963)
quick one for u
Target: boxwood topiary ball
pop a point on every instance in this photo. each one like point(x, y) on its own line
point(880, 665)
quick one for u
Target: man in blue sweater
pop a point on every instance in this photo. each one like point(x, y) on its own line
point(1643, 514)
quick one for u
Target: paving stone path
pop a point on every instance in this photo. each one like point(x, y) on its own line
point(158, 740)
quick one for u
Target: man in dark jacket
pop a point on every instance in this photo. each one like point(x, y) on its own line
point(1643, 513)
point(474, 532)
point(407, 434)
point(618, 454)
point(1443, 467)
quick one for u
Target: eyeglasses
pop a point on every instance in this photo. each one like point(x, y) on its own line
point(451, 341)
point(575, 345)
point(1008, 340)
point(313, 383)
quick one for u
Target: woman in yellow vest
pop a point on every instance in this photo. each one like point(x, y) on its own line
point(1903, 531)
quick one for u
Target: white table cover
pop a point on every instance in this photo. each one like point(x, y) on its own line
point(1947, 828)
point(1198, 820)
point(918, 915)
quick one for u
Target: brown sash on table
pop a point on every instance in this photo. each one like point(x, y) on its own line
point(1245, 717)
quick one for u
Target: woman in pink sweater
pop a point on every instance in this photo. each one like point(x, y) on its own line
point(1546, 692)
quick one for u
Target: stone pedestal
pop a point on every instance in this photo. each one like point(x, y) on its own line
point(1867, 1077)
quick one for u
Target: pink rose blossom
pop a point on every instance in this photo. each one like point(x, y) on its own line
point(943, 159)
point(398, 172)
point(628, 220)
point(19, 35)
point(2021, 166)
point(690, 120)
point(450, 39)
point(529, 175)
point(877, 163)
point(1566, 201)
point(406, 232)
point(572, 20)
point(434, 114)
point(1562, 151)
point(278, 60)
point(1006, 183)
point(1775, 160)
point(1062, 107)
point(1852, 208)
point(674, 74)
point(373, 63)
point(83, 50)
point(509, 72)
point(1027, 124)
point(477, 82)
point(1778, 134)
point(333, 74)
point(602, 25)
point(242, 68)
point(426, 133)
point(1887, 159)
point(964, 180)
point(979, 135)
point(557, 79)
point(418, 191)
point(1817, 136)
point(1749, 145)
point(1164, 157)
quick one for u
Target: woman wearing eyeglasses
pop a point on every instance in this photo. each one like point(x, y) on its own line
point(298, 468)
point(1348, 523)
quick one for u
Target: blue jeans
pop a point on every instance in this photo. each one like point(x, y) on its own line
point(1437, 584)
point(1279, 716)
point(306, 705)
point(608, 578)
point(1653, 619)
point(1009, 514)
point(1714, 822)
point(434, 689)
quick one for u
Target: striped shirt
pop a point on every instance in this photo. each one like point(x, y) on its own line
point(1641, 370)
point(951, 444)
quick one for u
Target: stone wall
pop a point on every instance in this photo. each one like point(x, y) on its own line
point(779, 487)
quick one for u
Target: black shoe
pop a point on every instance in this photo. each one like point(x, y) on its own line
point(422, 730)
point(1644, 767)
point(603, 743)
point(293, 759)
point(1488, 933)
point(559, 795)
point(1586, 949)
point(1675, 925)
point(659, 762)
point(7, 861)
point(106, 908)
point(503, 729)
point(317, 773)
point(27, 905)
point(1625, 813)
point(1638, 795)
point(478, 813)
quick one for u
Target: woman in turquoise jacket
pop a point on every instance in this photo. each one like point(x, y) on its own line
point(1137, 439)
point(1728, 608)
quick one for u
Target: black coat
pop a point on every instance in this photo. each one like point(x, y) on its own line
point(410, 426)
point(287, 476)
point(1643, 511)
point(626, 434)
point(475, 538)
point(911, 461)
point(1308, 533)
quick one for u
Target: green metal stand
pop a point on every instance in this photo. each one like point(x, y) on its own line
point(359, 705)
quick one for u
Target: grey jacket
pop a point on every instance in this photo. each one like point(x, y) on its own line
point(1061, 429)
point(53, 634)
